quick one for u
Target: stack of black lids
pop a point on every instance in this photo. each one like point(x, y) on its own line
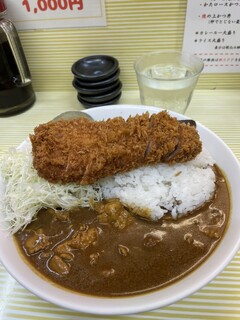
point(96, 79)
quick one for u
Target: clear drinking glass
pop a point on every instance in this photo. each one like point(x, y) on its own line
point(167, 79)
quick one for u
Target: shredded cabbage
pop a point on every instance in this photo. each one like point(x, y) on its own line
point(23, 193)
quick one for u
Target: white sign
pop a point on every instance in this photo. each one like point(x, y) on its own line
point(47, 14)
point(212, 32)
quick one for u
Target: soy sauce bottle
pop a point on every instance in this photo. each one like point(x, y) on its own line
point(16, 91)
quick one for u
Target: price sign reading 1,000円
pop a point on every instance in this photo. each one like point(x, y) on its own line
point(52, 5)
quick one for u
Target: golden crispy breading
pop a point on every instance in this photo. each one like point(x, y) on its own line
point(189, 144)
point(84, 151)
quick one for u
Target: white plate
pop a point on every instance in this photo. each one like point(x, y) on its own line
point(226, 250)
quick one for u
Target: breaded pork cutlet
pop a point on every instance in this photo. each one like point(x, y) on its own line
point(84, 151)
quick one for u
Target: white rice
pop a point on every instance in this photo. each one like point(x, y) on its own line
point(155, 190)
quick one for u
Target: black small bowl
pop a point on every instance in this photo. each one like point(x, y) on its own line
point(105, 103)
point(96, 91)
point(95, 68)
point(98, 84)
point(102, 97)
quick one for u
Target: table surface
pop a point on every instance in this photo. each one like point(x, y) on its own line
point(219, 111)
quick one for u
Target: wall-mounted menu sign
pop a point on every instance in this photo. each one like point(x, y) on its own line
point(212, 31)
point(47, 14)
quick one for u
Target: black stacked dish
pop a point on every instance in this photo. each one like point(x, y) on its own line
point(96, 79)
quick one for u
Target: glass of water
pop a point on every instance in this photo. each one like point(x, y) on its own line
point(167, 79)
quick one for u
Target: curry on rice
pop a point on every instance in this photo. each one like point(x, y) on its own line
point(107, 251)
point(117, 207)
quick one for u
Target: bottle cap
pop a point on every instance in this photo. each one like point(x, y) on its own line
point(2, 6)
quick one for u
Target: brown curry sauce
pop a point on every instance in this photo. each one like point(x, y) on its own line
point(109, 252)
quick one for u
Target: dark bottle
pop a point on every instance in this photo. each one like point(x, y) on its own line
point(16, 92)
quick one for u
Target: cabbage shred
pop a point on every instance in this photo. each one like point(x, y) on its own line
point(23, 193)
